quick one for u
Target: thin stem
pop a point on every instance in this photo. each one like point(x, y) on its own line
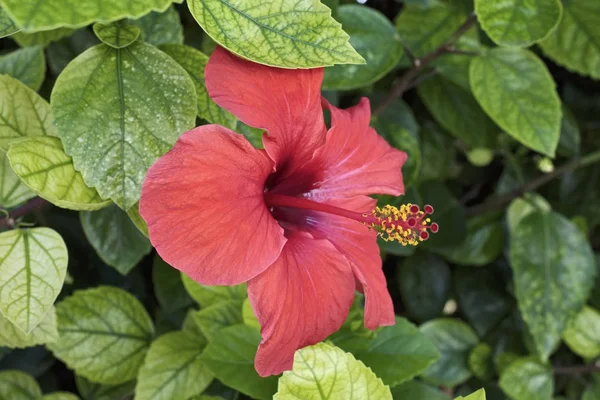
point(499, 202)
point(577, 369)
point(27, 208)
point(420, 63)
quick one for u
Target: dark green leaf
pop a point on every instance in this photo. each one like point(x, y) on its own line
point(27, 65)
point(211, 320)
point(415, 390)
point(95, 391)
point(168, 287)
point(161, 28)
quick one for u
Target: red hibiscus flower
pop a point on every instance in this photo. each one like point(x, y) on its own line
point(292, 220)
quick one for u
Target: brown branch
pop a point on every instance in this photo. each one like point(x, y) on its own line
point(577, 369)
point(27, 208)
point(497, 203)
point(420, 63)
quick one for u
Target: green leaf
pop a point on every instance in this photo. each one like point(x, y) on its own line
point(117, 34)
point(248, 315)
point(209, 295)
point(33, 264)
point(440, 151)
point(519, 208)
point(27, 65)
point(592, 391)
point(138, 221)
point(424, 282)
point(575, 43)
point(518, 23)
point(41, 38)
point(168, 287)
point(12, 190)
point(60, 396)
point(396, 354)
point(554, 271)
point(456, 110)
point(478, 395)
point(22, 112)
point(230, 357)
point(322, 371)
point(416, 390)
point(481, 361)
point(483, 244)
point(41, 15)
point(455, 340)
point(117, 111)
point(422, 38)
point(17, 385)
point(105, 333)
point(161, 28)
point(280, 33)
point(62, 52)
point(570, 135)
point(481, 297)
point(583, 333)
point(7, 26)
point(212, 319)
point(95, 391)
point(374, 38)
point(116, 239)
point(527, 379)
point(515, 88)
point(194, 62)
point(173, 369)
point(43, 166)
point(44, 332)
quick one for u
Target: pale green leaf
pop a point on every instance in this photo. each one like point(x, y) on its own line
point(478, 395)
point(105, 333)
point(173, 369)
point(248, 315)
point(455, 340)
point(27, 65)
point(41, 15)
point(517, 22)
point(7, 26)
point(527, 379)
point(424, 37)
point(33, 264)
point(396, 353)
point(12, 190)
point(194, 62)
point(117, 34)
point(583, 333)
point(43, 38)
point(209, 295)
point(575, 43)
point(116, 239)
point(481, 361)
point(519, 208)
point(22, 112)
point(161, 28)
point(457, 111)
point(516, 90)
point(230, 357)
point(554, 270)
point(60, 396)
point(138, 221)
point(212, 319)
point(43, 166)
point(17, 385)
point(281, 33)
point(117, 111)
point(44, 332)
point(374, 38)
point(95, 391)
point(325, 372)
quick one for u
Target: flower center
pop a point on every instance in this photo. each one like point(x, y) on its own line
point(407, 224)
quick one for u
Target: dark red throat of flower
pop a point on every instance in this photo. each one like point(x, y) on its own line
point(407, 224)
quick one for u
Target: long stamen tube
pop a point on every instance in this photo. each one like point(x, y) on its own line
point(407, 224)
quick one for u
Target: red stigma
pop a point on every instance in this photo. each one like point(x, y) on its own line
point(428, 209)
point(434, 227)
point(414, 209)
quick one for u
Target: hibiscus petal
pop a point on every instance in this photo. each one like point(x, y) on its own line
point(355, 159)
point(300, 300)
point(203, 202)
point(284, 102)
point(359, 246)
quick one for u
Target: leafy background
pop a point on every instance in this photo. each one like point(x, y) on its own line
point(496, 103)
